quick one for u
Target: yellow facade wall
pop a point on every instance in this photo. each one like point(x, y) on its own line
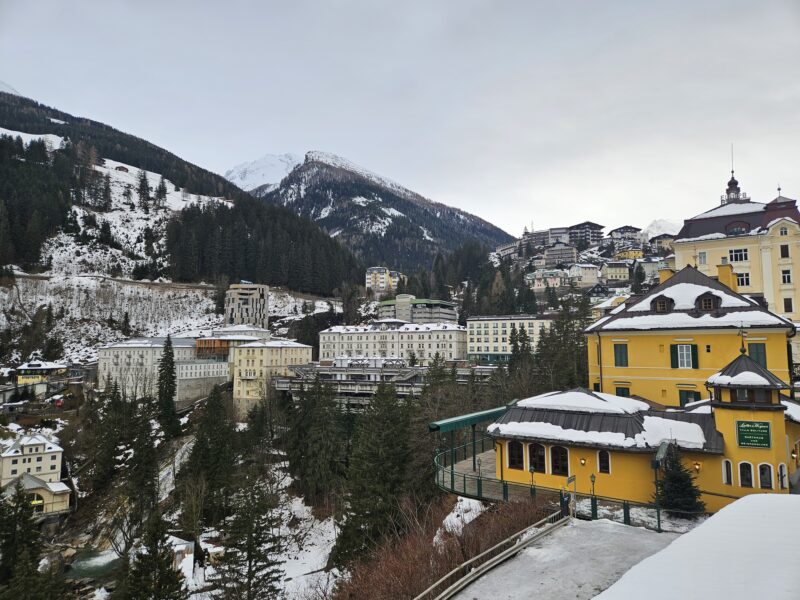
point(764, 265)
point(649, 373)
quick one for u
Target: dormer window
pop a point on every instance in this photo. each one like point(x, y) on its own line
point(738, 228)
point(662, 304)
point(707, 302)
point(783, 231)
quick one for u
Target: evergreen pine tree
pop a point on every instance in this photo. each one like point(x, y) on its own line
point(167, 415)
point(638, 279)
point(143, 191)
point(151, 575)
point(161, 192)
point(142, 476)
point(106, 197)
point(27, 583)
point(376, 476)
point(676, 490)
point(18, 532)
point(212, 456)
point(324, 457)
point(250, 567)
point(125, 328)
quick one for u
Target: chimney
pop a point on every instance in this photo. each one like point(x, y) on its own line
point(727, 277)
point(664, 274)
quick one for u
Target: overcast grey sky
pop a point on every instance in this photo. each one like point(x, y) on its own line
point(516, 111)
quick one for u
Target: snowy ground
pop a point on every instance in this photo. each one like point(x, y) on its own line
point(575, 562)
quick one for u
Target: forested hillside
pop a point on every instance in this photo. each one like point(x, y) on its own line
point(254, 241)
point(79, 196)
point(23, 114)
point(381, 221)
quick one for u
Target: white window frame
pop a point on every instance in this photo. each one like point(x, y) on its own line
point(724, 474)
point(738, 255)
point(743, 279)
point(771, 476)
point(597, 455)
point(753, 480)
point(684, 359)
point(786, 276)
point(701, 258)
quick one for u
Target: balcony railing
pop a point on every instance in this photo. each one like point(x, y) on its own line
point(468, 470)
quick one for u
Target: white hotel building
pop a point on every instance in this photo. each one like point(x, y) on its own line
point(490, 335)
point(395, 338)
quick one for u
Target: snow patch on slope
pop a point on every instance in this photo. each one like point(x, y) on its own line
point(53, 142)
point(269, 169)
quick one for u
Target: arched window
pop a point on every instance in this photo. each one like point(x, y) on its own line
point(745, 474)
point(727, 472)
point(765, 476)
point(782, 476)
point(515, 455)
point(559, 461)
point(604, 461)
point(536, 458)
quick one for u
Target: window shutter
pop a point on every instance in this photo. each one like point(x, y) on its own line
point(695, 362)
point(673, 355)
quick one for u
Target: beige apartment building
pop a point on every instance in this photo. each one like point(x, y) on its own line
point(489, 340)
point(256, 363)
point(760, 241)
point(36, 461)
point(247, 304)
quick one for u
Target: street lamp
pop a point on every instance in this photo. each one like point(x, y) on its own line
point(592, 478)
point(583, 462)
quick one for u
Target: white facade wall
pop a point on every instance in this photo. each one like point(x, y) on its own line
point(386, 340)
point(133, 365)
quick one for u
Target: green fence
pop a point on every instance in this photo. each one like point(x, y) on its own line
point(461, 470)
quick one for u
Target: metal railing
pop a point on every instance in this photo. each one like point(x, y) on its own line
point(481, 564)
point(454, 474)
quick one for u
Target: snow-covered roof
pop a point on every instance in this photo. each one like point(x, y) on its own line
point(609, 302)
point(734, 208)
point(275, 344)
point(685, 296)
point(684, 288)
point(792, 410)
point(745, 551)
point(654, 430)
point(583, 400)
point(153, 342)
point(16, 447)
point(41, 365)
point(408, 327)
point(744, 372)
point(31, 482)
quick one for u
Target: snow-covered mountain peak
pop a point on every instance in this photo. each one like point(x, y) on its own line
point(269, 169)
point(333, 160)
point(4, 87)
point(660, 226)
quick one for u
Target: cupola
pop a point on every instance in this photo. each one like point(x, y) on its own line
point(745, 384)
point(733, 193)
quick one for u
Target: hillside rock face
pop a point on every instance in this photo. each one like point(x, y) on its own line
point(381, 221)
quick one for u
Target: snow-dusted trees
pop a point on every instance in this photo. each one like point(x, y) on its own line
point(143, 191)
point(166, 391)
point(250, 567)
point(152, 574)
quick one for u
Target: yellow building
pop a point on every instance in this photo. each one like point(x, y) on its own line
point(743, 440)
point(616, 271)
point(663, 346)
point(39, 372)
point(36, 461)
point(256, 363)
point(629, 254)
point(760, 241)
